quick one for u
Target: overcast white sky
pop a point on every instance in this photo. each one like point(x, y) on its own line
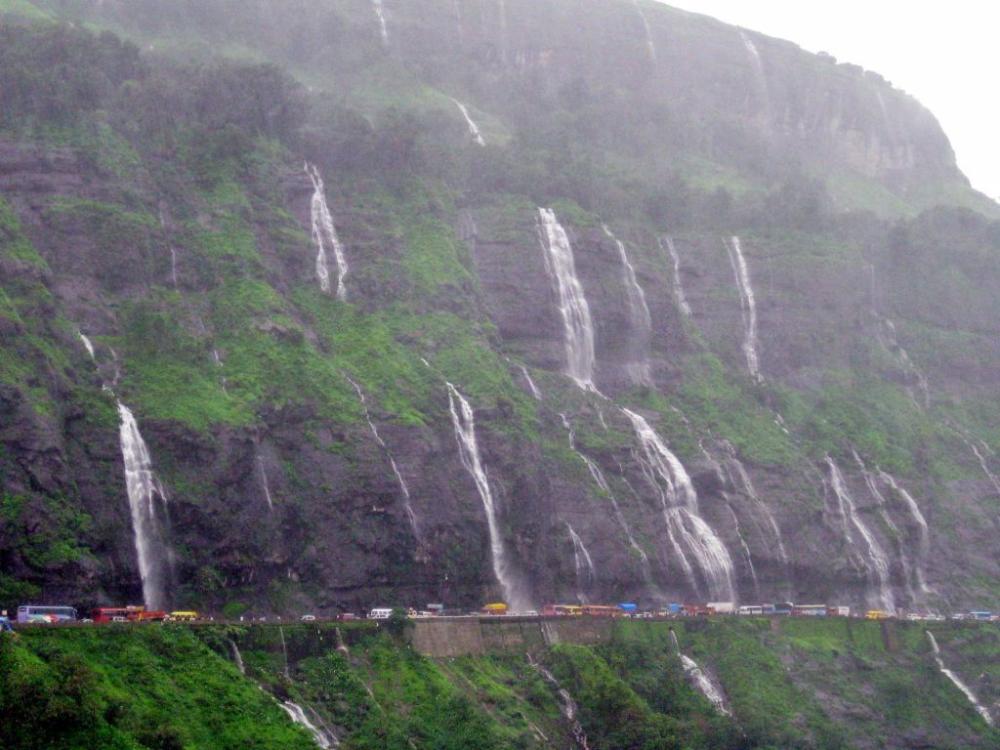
point(945, 54)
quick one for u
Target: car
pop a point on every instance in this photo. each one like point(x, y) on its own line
point(346, 617)
point(308, 618)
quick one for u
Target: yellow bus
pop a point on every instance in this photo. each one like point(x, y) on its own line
point(183, 616)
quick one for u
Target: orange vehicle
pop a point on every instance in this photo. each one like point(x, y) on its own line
point(562, 610)
point(495, 609)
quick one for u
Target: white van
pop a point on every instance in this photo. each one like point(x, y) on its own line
point(380, 613)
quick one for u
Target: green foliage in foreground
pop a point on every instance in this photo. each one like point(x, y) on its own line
point(809, 685)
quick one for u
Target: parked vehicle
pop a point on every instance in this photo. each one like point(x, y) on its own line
point(981, 616)
point(5, 626)
point(721, 608)
point(43, 614)
point(838, 611)
point(809, 610)
point(562, 610)
point(308, 618)
point(877, 614)
point(750, 610)
point(183, 616)
point(380, 613)
point(346, 617)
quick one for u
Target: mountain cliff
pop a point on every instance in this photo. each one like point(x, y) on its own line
point(328, 307)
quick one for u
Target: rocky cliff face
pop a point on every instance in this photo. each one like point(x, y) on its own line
point(818, 387)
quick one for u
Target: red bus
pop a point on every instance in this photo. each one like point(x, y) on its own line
point(601, 610)
point(132, 613)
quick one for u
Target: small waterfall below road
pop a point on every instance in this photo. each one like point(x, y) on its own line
point(567, 705)
point(324, 233)
point(536, 394)
point(263, 482)
point(284, 651)
point(679, 295)
point(383, 26)
point(586, 574)
point(237, 656)
point(404, 489)
point(474, 131)
point(875, 560)
point(688, 532)
point(464, 420)
point(143, 489)
point(321, 736)
point(577, 324)
point(748, 305)
point(601, 481)
point(641, 330)
point(700, 681)
point(957, 681)
point(650, 44)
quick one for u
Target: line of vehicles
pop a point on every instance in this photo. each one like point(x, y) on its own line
point(33, 614)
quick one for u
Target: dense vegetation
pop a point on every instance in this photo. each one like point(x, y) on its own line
point(163, 688)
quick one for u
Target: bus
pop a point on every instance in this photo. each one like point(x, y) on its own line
point(44, 614)
point(562, 610)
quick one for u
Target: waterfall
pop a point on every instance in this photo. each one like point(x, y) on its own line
point(680, 512)
point(758, 69)
point(284, 650)
point(237, 656)
point(173, 250)
point(263, 482)
point(567, 706)
point(143, 489)
point(586, 574)
point(888, 338)
point(876, 561)
point(474, 130)
point(956, 680)
point(602, 482)
point(682, 302)
point(407, 503)
point(577, 324)
point(699, 680)
point(383, 27)
point(324, 232)
point(537, 394)
point(650, 44)
point(748, 304)
point(88, 345)
point(746, 548)
point(464, 420)
point(641, 321)
point(320, 736)
point(737, 471)
point(217, 359)
point(986, 467)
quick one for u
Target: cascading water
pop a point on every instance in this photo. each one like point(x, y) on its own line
point(217, 359)
point(912, 556)
point(602, 482)
point(536, 394)
point(325, 233)
point(284, 651)
point(876, 561)
point(404, 489)
point(173, 249)
point(739, 477)
point(748, 305)
point(143, 488)
point(568, 706)
point(641, 330)
point(577, 324)
point(700, 681)
point(320, 736)
point(474, 131)
point(981, 458)
point(887, 337)
point(957, 682)
point(263, 482)
point(650, 44)
point(689, 534)
point(746, 548)
point(679, 295)
point(758, 68)
point(383, 26)
point(586, 574)
point(237, 656)
point(464, 420)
